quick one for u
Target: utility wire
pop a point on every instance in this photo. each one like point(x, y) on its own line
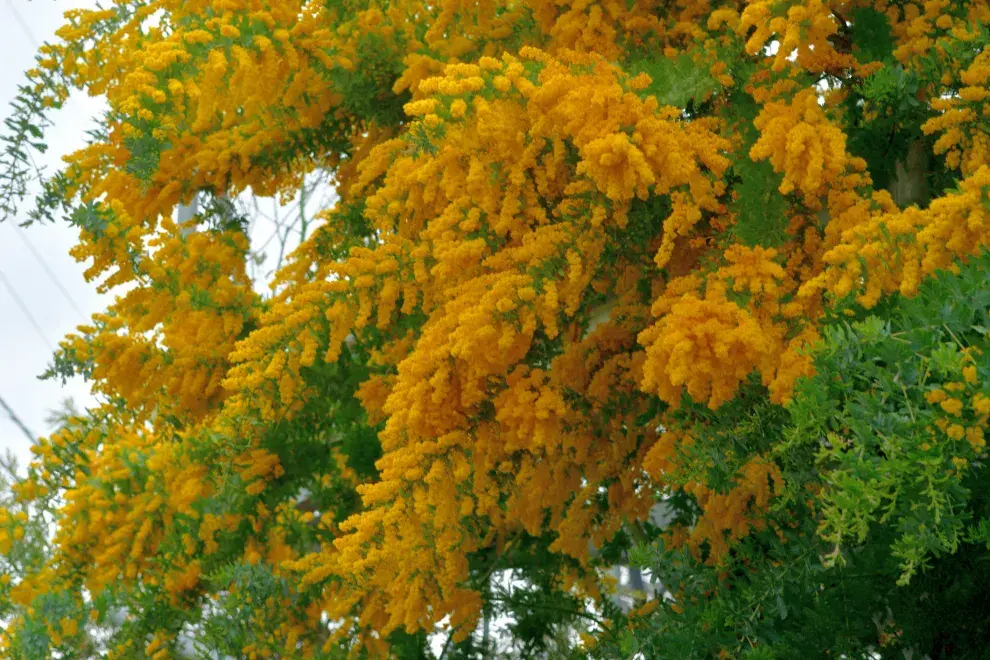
point(17, 420)
point(37, 255)
point(23, 24)
point(3, 277)
point(49, 271)
point(24, 308)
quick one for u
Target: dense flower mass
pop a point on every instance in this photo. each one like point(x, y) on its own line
point(582, 259)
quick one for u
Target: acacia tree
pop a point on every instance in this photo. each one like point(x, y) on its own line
point(586, 257)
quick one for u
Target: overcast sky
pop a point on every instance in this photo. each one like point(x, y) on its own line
point(25, 350)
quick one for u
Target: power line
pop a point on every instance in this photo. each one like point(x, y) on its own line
point(37, 255)
point(3, 277)
point(49, 271)
point(17, 420)
point(24, 308)
point(23, 24)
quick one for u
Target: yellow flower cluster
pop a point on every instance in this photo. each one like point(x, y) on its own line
point(801, 143)
point(726, 517)
point(803, 33)
point(163, 345)
point(962, 123)
point(923, 26)
point(705, 346)
point(894, 251)
point(962, 413)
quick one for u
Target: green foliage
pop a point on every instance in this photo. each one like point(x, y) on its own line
point(886, 118)
point(25, 131)
point(679, 81)
point(761, 212)
point(367, 89)
point(873, 40)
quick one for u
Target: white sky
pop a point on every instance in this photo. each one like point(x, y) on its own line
point(24, 351)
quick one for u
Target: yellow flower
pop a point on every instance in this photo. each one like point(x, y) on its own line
point(458, 108)
point(704, 346)
point(952, 406)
